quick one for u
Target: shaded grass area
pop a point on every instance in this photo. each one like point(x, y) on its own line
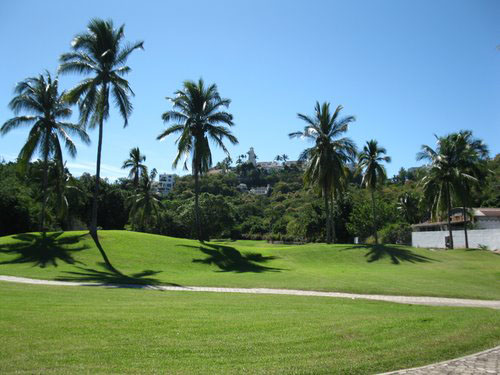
point(150, 259)
point(63, 330)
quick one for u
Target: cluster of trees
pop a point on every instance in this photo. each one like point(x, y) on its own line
point(291, 212)
point(324, 201)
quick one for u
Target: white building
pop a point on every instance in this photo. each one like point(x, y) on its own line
point(165, 184)
point(485, 230)
point(267, 165)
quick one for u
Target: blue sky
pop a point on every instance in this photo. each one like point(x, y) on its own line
point(405, 69)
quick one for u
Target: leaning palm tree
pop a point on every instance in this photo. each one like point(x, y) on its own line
point(145, 202)
point(102, 54)
point(39, 97)
point(326, 160)
point(370, 166)
point(196, 115)
point(134, 162)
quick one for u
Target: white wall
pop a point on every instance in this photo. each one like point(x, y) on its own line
point(488, 237)
point(487, 222)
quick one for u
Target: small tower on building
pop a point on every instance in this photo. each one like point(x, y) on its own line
point(252, 158)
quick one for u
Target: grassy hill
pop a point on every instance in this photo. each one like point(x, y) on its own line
point(146, 258)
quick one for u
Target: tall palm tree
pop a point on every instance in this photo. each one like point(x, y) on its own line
point(469, 155)
point(370, 166)
point(134, 162)
point(198, 111)
point(444, 178)
point(146, 201)
point(101, 54)
point(326, 160)
point(39, 97)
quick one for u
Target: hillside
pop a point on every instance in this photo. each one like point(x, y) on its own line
point(147, 258)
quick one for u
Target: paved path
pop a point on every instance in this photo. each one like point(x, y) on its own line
point(487, 362)
point(431, 301)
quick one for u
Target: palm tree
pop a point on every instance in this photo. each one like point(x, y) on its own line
point(444, 178)
point(101, 53)
point(39, 97)
point(134, 162)
point(326, 160)
point(370, 166)
point(278, 158)
point(284, 157)
point(196, 115)
point(469, 154)
point(145, 201)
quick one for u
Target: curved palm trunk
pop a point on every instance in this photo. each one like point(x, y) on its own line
point(374, 217)
point(449, 216)
point(197, 205)
point(328, 218)
point(93, 223)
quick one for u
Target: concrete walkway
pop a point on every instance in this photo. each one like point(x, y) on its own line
point(430, 301)
point(487, 362)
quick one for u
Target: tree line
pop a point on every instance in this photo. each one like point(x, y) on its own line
point(200, 117)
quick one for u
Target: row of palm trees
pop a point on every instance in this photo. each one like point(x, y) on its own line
point(328, 159)
point(199, 117)
point(456, 165)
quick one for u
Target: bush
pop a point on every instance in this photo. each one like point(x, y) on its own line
point(397, 233)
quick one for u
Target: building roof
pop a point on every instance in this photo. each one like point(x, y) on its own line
point(487, 211)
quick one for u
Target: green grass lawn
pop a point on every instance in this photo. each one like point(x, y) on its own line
point(68, 330)
point(147, 258)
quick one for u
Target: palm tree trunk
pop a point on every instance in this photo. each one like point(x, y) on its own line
point(374, 217)
point(449, 212)
point(328, 221)
point(332, 221)
point(197, 205)
point(93, 224)
point(465, 227)
point(44, 199)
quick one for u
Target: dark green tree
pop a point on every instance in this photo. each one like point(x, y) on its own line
point(370, 166)
point(326, 160)
point(197, 114)
point(45, 109)
point(101, 54)
point(145, 203)
point(135, 163)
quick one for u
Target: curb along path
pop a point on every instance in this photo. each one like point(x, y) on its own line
point(487, 362)
point(430, 301)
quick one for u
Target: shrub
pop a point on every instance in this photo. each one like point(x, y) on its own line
point(397, 233)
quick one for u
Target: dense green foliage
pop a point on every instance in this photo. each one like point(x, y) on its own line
point(146, 258)
point(290, 212)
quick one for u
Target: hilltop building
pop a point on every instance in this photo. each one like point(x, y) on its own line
point(267, 165)
point(165, 184)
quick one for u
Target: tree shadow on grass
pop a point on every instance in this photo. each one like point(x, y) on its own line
point(118, 279)
point(228, 259)
point(43, 251)
point(396, 254)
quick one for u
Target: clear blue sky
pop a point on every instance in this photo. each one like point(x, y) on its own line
point(405, 69)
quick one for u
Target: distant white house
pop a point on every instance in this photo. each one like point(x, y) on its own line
point(267, 165)
point(261, 190)
point(485, 230)
point(165, 183)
